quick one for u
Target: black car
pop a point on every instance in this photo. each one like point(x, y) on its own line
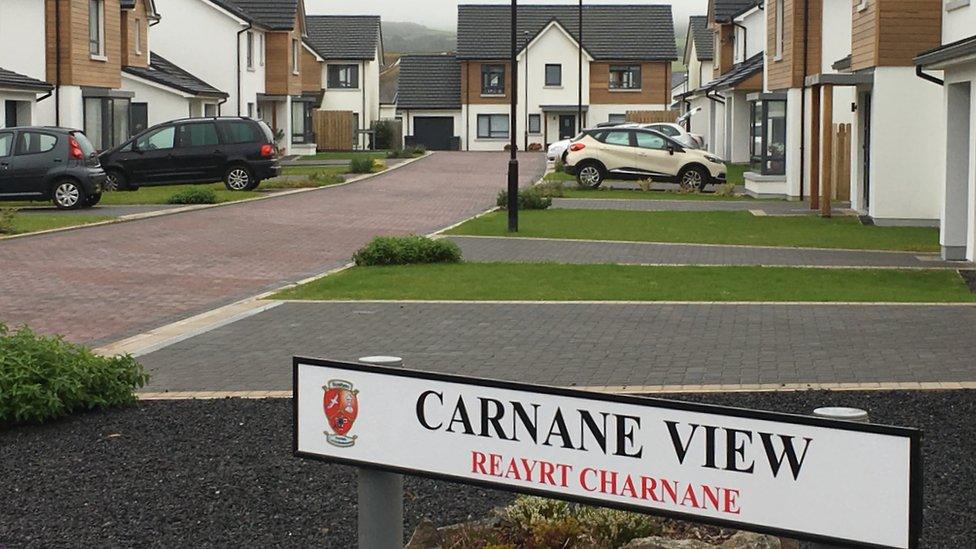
point(42, 163)
point(240, 152)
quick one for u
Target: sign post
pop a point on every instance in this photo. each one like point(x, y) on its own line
point(807, 478)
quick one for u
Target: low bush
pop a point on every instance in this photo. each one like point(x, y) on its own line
point(194, 195)
point(559, 167)
point(528, 199)
point(44, 378)
point(419, 150)
point(399, 153)
point(645, 184)
point(540, 522)
point(551, 189)
point(407, 250)
point(726, 190)
point(311, 181)
point(384, 132)
point(361, 164)
point(7, 216)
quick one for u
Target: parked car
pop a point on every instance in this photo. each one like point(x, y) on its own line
point(557, 150)
point(45, 163)
point(240, 152)
point(678, 133)
point(639, 153)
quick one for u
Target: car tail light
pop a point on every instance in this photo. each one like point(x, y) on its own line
point(267, 150)
point(577, 147)
point(75, 149)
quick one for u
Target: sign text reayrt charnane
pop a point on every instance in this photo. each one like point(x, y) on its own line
point(797, 476)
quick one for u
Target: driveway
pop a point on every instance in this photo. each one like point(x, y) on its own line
point(101, 284)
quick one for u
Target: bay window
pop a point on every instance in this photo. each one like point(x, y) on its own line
point(106, 121)
point(767, 137)
point(301, 122)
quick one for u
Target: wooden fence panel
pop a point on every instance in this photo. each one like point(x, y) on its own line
point(841, 162)
point(334, 130)
point(651, 117)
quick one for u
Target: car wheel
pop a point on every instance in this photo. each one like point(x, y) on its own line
point(93, 200)
point(693, 178)
point(114, 181)
point(69, 195)
point(238, 178)
point(590, 175)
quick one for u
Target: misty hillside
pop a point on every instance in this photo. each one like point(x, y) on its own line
point(401, 37)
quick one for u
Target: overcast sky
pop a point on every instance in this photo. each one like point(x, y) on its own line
point(442, 14)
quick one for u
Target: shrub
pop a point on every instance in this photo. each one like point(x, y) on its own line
point(559, 167)
point(361, 164)
point(551, 189)
point(645, 184)
point(7, 216)
point(528, 199)
point(406, 250)
point(726, 189)
point(194, 195)
point(419, 150)
point(385, 132)
point(539, 522)
point(317, 179)
point(44, 378)
point(399, 153)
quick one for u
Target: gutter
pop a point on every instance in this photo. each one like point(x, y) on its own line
point(920, 72)
point(239, 33)
point(716, 98)
point(745, 41)
point(220, 104)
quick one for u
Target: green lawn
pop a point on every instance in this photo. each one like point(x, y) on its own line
point(559, 176)
point(161, 195)
point(707, 228)
point(310, 170)
point(33, 222)
point(635, 194)
point(733, 173)
point(347, 155)
point(559, 282)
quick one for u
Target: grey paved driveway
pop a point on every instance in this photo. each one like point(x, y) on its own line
point(587, 344)
point(521, 250)
point(103, 283)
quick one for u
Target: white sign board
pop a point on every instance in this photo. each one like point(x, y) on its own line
point(796, 476)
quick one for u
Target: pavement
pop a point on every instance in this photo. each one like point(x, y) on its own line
point(100, 284)
point(536, 250)
point(587, 344)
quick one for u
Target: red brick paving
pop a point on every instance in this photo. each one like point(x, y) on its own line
point(101, 284)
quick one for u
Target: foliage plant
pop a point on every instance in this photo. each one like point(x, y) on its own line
point(385, 133)
point(194, 195)
point(7, 216)
point(407, 250)
point(551, 189)
point(45, 378)
point(361, 164)
point(528, 199)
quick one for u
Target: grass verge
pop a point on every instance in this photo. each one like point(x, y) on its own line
point(707, 228)
point(734, 173)
point(636, 194)
point(347, 155)
point(312, 170)
point(33, 222)
point(161, 195)
point(520, 281)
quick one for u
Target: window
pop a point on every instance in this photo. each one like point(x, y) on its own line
point(6, 143)
point(209, 110)
point(651, 141)
point(106, 121)
point(198, 135)
point(780, 8)
point(164, 138)
point(96, 28)
point(767, 137)
point(34, 143)
point(250, 110)
point(138, 36)
point(617, 119)
point(554, 75)
point(261, 48)
point(240, 132)
point(301, 122)
point(250, 50)
point(493, 79)
point(617, 138)
point(492, 126)
point(296, 53)
point(535, 123)
point(344, 76)
point(625, 77)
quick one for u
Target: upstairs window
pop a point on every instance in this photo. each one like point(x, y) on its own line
point(250, 50)
point(344, 76)
point(625, 77)
point(780, 9)
point(138, 36)
point(493, 79)
point(96, 27)
point(261, 48)
point(296, 53)
point(554, 75)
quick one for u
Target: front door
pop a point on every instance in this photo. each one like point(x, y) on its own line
point(867, 150)
point(567, 126)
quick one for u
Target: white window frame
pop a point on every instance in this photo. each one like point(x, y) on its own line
point(538, 124)
point(261, 48)
point(780, 24)
point(492, 134)
point(100, 10)
point(296, 52)
point(863, 5)
point(249, 50)
point(138, 25)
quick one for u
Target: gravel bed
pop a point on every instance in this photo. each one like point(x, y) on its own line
point(220, 473)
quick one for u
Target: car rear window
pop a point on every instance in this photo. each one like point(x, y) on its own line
point(34, 142)
point(268, 134)
point(83, 143)
point(242, 132)
point(198, 134)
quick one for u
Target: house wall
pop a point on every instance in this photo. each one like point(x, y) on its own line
point(724, 49)
point(163, 105)
point(471, 83)
point(280, 78)
point(700, 120)
point(78, 66)
point(655, 85)
point(363, 100)
point(135, 22)
point(311, 72)
point(837, 25)
point(787, 70)
point(890, 33)
point(738, 115)
point(22, 23)
point(184, 18)
point(752, 40)
point(958, 23)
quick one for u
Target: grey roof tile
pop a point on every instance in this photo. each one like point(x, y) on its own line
point(610, 32)
point(163, 72)
point(429, 82)
point(726, 10)
point(344, 37)
point(739, 73)
point(703, 37)
point(11, 79)
point(273, 14)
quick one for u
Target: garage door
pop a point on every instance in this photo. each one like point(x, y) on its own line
point(434, 132)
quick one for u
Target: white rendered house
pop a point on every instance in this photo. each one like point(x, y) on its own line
point(24, 92)
point(699, 58)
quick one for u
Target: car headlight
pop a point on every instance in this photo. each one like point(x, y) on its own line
point(714, 159)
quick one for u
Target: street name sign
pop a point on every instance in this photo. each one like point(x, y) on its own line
point(796, 476)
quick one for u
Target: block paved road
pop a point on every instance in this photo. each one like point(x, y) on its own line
point(100, 284)
point(586, 344)
point(532, 250)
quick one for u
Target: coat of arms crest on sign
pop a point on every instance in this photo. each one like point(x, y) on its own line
point(341, 403)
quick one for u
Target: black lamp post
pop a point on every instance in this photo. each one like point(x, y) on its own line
point(579, 111)
point(513, 166)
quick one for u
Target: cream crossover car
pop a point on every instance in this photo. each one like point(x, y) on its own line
point(639, 153)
